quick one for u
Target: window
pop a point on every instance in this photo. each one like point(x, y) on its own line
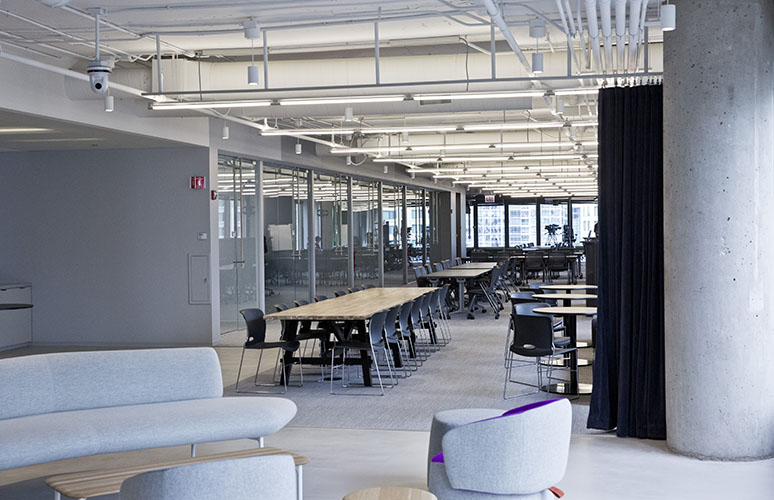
point(553, 218)
point(491, 226)
point(584, 217)
point(522, 224)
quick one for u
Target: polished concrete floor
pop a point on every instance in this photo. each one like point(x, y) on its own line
point(601, 467)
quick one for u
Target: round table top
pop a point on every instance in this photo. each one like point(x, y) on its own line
point(567, 311)
point(565, 296)
point(569, 287)
point(8, 307)
point(391, 493)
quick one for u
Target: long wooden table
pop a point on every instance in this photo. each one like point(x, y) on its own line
point(96, 483)
point(461, 274)
point(356, 308)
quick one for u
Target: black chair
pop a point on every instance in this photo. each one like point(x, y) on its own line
point(256, 339)
point(446, 264)
point(393, 338)
point(307, 333)
point(487, 290)
point(533, 337)
point(319, 298)
point(365, 287)
point(556, 263)
point(437, 267)
point(534, 264)
point(340, 293)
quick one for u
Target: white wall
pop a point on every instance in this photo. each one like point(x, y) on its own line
point(104, 238)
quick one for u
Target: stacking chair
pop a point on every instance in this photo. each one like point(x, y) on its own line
point(556, 263)
point(446, 264)
point(392, 337)
point(406, 332)
point(256, 340)
point(527, 307)
point(533, 337)
point(319, 298)
point(340, 293)
point(457, 261)
point(487, 291)
point(437, 317)
point(428, 324)
point(437, 267)
point(375, 341)
point(365, 287)
point(420, 274)
point(416, 326)
point(307, 333)
point(533, 264)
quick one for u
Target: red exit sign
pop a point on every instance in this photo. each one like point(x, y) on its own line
point(489, 198)
point(197, 182)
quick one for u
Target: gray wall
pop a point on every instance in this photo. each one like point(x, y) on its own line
point(104, 238)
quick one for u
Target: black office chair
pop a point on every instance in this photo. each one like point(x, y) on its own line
point(533, 338)
point(487, 290)
point(256, 339)
point(340, 293)
point(319, 298)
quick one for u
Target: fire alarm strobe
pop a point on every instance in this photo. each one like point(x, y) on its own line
point(197, 182)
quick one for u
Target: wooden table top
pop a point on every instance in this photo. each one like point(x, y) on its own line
point(358, 306)
point(565, 296)
point(455, 272)
point(391, 493)
point(569, 287)
point(108, 481)
point(567, 311)
point(476, 265)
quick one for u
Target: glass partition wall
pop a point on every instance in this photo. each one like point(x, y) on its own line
point(331, 234)
point(392, 236)
point(366, 231)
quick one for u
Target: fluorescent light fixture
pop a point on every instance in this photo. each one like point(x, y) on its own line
point(341, 100)
point(462, 147)
point(24, 130)
point(480, 95)
point(497, 169)
point(350, 131)
point(208, 104)
point(463, 159)
point(525, 126)
point(576, 91)
point(668, 17)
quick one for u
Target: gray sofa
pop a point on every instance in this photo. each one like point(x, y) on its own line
point(67, 405)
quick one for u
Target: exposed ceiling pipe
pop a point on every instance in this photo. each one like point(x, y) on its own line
point(634, 32)
point(620, 33)
point(568, 10)
point(584, 48)
point(643, 14)
point(591, 19)
point(567, 32)
point(497, 17)
point(607, 32)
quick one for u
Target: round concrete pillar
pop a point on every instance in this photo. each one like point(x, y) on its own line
point(719, 229)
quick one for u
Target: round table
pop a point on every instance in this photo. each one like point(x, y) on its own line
point(391, 493)
point(570, 315)
point(568, 287)
point(567, 299)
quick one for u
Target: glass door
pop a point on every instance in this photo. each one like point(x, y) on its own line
point(237, 238)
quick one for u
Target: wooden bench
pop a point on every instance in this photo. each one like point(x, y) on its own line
point(95, 483)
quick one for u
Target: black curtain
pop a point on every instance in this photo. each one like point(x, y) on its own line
point(628, 389)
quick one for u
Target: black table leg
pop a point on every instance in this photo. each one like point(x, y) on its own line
point(365, 356)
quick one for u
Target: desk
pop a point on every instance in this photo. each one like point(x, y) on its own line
point(566, 298)
point(108, 481)
point(475, 265)
point(461, 275)
point(356, 307)
point(570, 315)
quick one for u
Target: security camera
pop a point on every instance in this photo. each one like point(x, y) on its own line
point(99, 74)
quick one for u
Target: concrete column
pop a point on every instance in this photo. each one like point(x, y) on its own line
point(719, 229)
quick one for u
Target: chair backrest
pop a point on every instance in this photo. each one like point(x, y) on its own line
point(425, 307)
point(270, 477)
point(533, 335)
point(433, 300)
point(494, 279)
point(281, 307)
point(405, 316)
point(522, 297)
point(527, 308)
point(457, 261)
point(419, 272)
point(480, 456)
point(256, 324)
point(438, 266)
point(389, 322)
point(301, 302)
point(365, 287)
point(416, 308)
point(446, 264)
point(376, 327)
point(319, 298)
point(339, 293)
point(444, 294)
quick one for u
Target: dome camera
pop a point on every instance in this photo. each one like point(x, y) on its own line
point(99, 74)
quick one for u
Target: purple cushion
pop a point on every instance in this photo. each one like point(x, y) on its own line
point(514, 411)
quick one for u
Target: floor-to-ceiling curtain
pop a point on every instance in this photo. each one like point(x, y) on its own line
point(628, 389)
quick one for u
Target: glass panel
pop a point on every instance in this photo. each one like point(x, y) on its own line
point(522, 224)
point(553, 218)
point(392, 207)
point(237, 239)
point(330, 195)
point(434, 213)
point(415, 206)
point(285, 193)
point(491, 222)
point(584, 218)
point(365, 225)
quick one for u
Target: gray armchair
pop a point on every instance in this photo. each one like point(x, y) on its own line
point(270, 477)
point(514, 456)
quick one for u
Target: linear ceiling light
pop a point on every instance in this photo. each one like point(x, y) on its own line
point(463, 159)
point(576, 92)
point(462, 147)
point(208, 104)
point(24, 130)
point(525, 126)
point(522, 168)
point(482, 95)
point(341, 100)
point(349, 131)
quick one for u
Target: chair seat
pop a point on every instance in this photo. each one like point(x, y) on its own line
point(530, 351)
point(562, 341)
point(438, 483)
